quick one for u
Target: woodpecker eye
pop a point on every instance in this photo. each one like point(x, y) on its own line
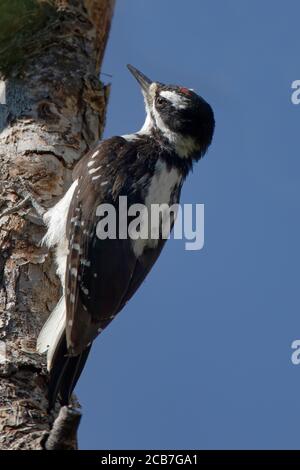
point(160, 101)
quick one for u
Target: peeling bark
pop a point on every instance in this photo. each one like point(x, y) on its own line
point(54, 112)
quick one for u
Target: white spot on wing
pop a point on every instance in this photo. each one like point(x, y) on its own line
point(93, 170)
point(74, 272)
point(85, 262)
point(129, 137)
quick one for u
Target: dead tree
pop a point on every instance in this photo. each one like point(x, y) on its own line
point(50, 57)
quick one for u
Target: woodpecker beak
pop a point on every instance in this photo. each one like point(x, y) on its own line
point(141, 78)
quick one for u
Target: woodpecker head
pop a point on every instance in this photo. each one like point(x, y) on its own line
point(184, 119)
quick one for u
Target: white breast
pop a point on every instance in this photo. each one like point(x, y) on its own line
point(159, 192)
point(162, 184)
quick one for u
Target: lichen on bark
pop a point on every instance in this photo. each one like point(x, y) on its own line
point(20, 20)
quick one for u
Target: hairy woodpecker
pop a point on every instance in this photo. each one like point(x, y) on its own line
point(99, 276)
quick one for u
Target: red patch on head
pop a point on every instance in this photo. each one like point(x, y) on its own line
point(186, 91)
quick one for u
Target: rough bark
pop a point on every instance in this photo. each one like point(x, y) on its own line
point(50, 57)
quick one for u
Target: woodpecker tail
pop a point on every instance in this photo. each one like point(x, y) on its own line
point(52, 331)
point(64, 370)
point(64, 373)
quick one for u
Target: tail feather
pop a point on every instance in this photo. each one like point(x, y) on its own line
point(71, 375)
point(64, 370)
point(52, 331)
point(64, 374)
point(57, 371)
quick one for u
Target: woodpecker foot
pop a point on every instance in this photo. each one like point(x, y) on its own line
point(25, 192)
point(28, 198)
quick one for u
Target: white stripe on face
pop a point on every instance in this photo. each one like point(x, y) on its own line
point(175, 99)
point(184, 145)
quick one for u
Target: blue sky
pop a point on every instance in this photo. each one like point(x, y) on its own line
point(201, 357)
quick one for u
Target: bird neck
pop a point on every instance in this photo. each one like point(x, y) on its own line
point(184, 147)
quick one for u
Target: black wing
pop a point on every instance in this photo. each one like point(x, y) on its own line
point(101, 275)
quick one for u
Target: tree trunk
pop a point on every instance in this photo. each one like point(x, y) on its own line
point(50, 57)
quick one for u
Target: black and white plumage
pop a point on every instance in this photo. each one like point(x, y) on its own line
point(100, 276)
